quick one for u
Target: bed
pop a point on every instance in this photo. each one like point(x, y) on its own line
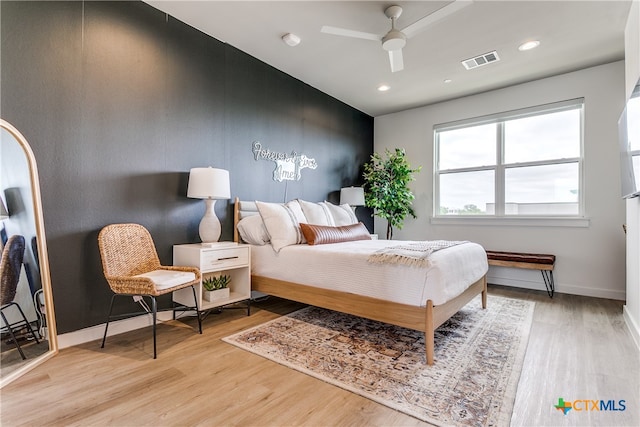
point(340, 276)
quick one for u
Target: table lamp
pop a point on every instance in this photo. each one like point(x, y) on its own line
point(353, 196)
point(209, 184)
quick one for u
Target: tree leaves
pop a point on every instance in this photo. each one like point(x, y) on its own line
point(387, 187)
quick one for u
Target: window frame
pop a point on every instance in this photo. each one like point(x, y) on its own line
point(635, 153)
point(500, 168)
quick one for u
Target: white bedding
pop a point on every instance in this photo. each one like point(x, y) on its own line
point(344, 267)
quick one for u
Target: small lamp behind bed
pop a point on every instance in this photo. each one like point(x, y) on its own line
point(209, 184)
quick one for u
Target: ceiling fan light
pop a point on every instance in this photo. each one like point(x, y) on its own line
point(394, 40)
point(291, 39)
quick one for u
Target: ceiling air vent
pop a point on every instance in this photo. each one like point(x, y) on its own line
point(481, 60)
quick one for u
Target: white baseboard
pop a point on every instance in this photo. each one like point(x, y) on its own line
point(634, 328)
point(94, 333)
point(559, 287)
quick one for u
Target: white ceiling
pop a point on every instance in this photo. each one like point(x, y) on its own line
point(573, 35)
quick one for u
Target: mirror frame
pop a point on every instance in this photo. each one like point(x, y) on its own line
point(43, 259)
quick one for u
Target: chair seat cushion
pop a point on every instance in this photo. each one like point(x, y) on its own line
point(165, 279)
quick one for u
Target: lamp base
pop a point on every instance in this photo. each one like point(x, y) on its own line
point(210, 224)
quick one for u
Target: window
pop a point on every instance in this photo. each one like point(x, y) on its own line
point(633, 112)
point(525, 163)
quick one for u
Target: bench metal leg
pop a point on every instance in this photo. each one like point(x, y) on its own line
point(547, 276)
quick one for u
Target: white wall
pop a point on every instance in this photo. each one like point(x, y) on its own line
point(632, 306)
point(632, 73)
point(632, 48)
point(589, 260)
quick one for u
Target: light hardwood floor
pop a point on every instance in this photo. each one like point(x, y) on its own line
point(579, 348)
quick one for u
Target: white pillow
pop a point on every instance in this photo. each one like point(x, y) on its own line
point(316, 213)
point(282, 223)
point(253, 231)
point(342, 214)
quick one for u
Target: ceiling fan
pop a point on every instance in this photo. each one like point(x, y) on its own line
point(394, 40)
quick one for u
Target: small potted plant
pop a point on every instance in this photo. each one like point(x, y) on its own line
point(216, 287)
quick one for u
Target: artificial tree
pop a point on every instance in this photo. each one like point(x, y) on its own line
point(387, 187)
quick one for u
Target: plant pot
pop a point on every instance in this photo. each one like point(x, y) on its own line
point(218, 294)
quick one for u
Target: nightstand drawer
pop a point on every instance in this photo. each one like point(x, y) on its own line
point(223, 258)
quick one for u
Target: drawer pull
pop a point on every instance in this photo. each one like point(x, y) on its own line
point(229, 257)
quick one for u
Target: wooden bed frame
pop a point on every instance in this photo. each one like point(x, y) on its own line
point(425, 319)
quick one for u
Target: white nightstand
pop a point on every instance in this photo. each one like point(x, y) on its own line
point(216, 259)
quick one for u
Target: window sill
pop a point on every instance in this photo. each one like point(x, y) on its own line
point(513, 221)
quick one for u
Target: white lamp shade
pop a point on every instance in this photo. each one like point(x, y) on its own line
point(208, 183)
point(353, 196)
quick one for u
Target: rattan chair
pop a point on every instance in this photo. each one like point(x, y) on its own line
point(127, 252)
point(10, 267)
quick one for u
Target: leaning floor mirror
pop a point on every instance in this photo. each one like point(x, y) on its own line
point(27, 320)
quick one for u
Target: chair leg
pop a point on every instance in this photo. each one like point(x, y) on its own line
point(154, 309)
point(104, 337)
point(195, 299)
point(13, 337)
point(33, 334)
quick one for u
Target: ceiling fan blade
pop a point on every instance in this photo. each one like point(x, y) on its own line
point(423, 23)
point(395, 58)
point(350, 33)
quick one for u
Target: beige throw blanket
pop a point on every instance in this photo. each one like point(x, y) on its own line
point(413, 254)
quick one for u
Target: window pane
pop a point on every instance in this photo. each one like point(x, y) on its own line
point(633, 123)
point(544, 137)
point(469, 147)
point(636, 170)
point(542, 190)
point(467, 193)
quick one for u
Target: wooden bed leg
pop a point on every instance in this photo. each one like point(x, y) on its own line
point(429, 338)
point(484, 292)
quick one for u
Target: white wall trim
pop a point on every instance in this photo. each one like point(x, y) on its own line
point(117, 327)
point(511, 221)
point(634, 328)
point(559, 288)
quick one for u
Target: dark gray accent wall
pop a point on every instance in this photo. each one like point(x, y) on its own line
point(119, 101)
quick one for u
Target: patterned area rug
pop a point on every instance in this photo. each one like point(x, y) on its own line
point(478, 359)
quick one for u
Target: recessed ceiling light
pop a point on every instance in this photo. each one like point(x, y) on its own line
point(291, 39)
point(384, 88)
point(448, 80)
point(532, 44)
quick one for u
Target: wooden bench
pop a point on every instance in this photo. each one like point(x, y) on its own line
point(542, 262)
